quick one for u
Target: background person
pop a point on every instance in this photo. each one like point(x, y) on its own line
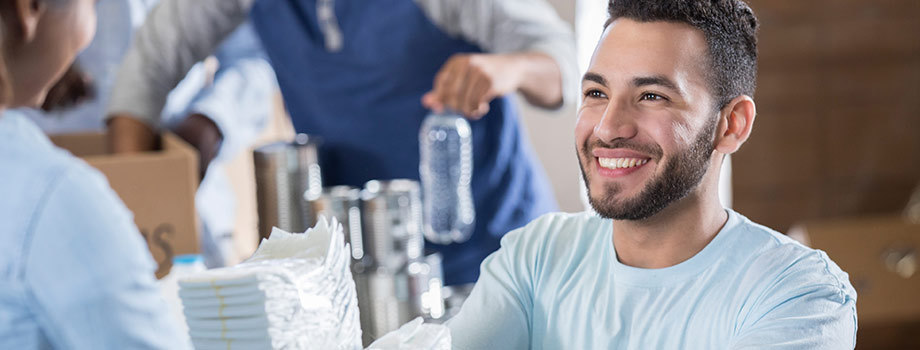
point(355, 74)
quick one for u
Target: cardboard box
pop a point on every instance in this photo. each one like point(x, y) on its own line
point(158, 187)
point(881, 254)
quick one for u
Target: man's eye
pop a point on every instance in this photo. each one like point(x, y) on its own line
point(648, 96)
point(594, 94)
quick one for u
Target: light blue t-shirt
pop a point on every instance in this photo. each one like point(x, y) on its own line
point(557, 284)
point(75, 272)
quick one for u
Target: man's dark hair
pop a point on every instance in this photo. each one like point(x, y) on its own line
point(730, 30)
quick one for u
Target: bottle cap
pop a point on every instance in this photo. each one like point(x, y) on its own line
point(186, 259)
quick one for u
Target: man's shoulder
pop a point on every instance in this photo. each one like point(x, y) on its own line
point(754, 240)
point(786, 289)
point(782, 265)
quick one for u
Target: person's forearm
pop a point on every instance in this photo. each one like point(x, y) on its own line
point(201, 133)
point(240, 99)
point(540, 79)
point(511, 27)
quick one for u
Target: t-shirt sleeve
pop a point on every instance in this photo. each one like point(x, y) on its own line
point(175, 35)
point(810, 306)
point(89, 273)
point(498, 311)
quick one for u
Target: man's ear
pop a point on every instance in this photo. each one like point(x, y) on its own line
point(27, 14)
point(735, 122)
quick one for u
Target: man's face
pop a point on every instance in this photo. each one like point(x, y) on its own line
point(645, 129)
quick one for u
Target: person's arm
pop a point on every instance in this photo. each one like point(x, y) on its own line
point(530, 50)
point(89, 273)
point(802, 310)
point(176, 35)
point(498, 311)
point(227, 115)
point(239, 99)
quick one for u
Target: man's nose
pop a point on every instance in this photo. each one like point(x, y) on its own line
point(618, 122)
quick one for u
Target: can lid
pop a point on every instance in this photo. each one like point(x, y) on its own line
point(342, 192)
point(376, 187)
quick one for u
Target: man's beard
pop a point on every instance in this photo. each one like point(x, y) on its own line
point(683, 172)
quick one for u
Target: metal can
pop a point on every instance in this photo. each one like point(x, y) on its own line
point(392, 215)
point(344, 204)
point(286, 173)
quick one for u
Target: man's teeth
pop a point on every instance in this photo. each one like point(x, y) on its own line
point(620, 163)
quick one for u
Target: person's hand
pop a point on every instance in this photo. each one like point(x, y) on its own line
point(127, 134)
point(74, 87)
point(468, 82)
point(202, 133)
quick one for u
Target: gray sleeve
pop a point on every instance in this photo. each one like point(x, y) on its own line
point(507, 26)
point(176, 35)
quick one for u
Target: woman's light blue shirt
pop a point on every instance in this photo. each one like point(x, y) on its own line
point(74, 271)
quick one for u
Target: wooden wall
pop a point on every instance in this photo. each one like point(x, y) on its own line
point(838, 98)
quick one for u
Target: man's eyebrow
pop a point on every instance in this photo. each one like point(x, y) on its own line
point(655, 80)
point(597, 78)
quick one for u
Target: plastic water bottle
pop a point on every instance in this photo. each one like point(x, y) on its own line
point(446, 169)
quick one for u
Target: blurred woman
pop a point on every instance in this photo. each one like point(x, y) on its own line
point(74, 271)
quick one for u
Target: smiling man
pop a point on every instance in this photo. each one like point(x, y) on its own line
point(664, 265)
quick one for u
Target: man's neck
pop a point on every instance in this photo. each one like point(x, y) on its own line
point(671, 236)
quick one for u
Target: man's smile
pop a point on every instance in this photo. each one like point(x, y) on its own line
point(616, 162)
point(621, 163)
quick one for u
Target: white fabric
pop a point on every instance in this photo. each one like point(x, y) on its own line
point(415, 335)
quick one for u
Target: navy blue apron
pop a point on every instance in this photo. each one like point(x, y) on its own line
point(364, 101)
